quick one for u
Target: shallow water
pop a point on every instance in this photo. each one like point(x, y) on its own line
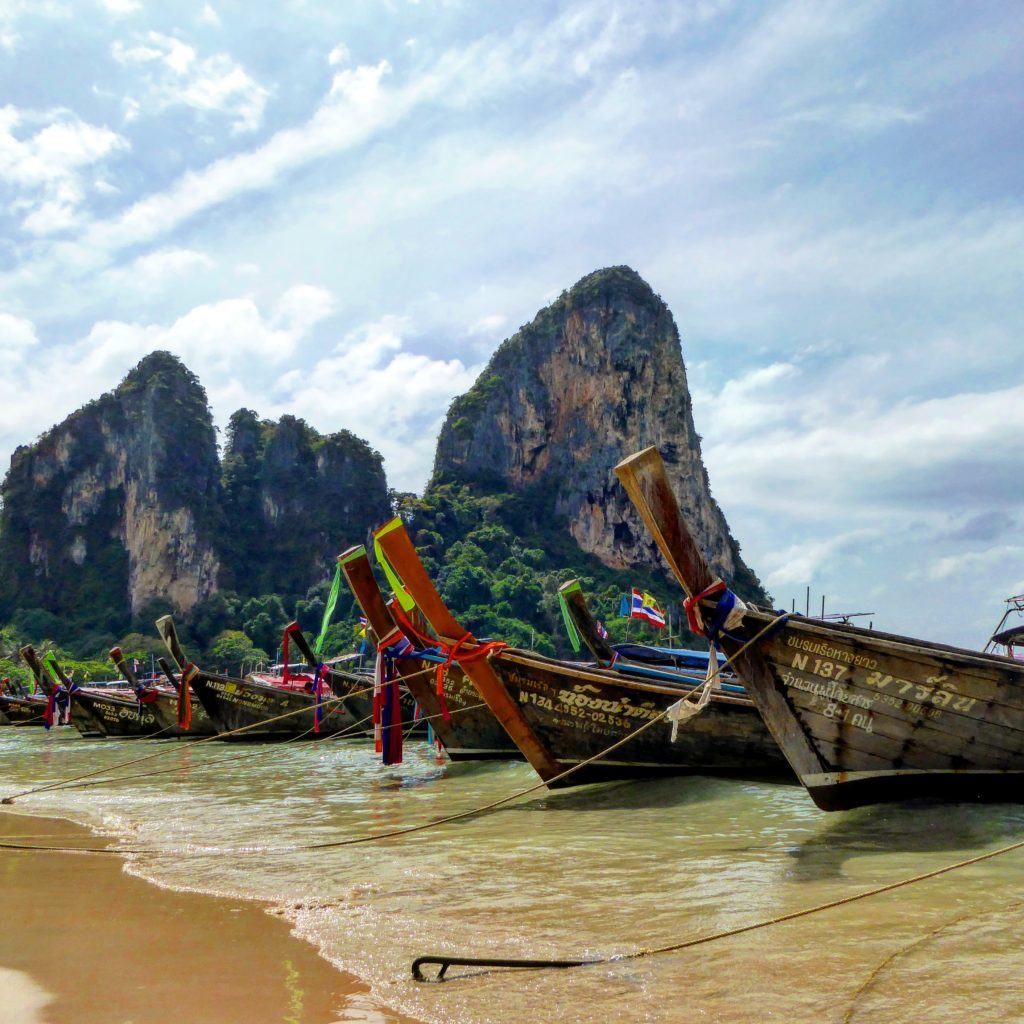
point(598, 870)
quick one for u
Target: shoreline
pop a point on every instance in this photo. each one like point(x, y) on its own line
point(91, 943)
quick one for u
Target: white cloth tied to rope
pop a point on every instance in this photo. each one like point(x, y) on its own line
point(686, 708)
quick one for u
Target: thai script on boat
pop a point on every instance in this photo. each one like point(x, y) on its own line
point(578, 697)
point(828, 691)
point(910, 693)
point(858, 719)
point(833, 653)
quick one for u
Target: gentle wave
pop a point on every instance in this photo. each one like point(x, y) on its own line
point(599, 870)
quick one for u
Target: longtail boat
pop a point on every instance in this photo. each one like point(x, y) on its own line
point(84, 721)
point(561, 714)
point(355, 687)
point(862, 716)
point(233, 703)
point(463, 723)
point(118, 713)
point(164, 703)
point(22, 709)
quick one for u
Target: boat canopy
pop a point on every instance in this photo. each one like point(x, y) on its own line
point(1014, 635)
point(676, 657)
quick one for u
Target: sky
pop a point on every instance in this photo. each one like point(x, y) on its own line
point(340, 210)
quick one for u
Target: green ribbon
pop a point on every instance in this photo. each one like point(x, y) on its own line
point(570, 626)
point(50, 664)
point(332, 601)
point(394, 581)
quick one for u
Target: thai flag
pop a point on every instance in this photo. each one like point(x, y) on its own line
point(644, 606)
point(601, 631)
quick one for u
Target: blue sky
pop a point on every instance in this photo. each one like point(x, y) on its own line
point(339, 210)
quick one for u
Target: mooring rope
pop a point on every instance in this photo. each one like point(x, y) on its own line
point(347, 733)
point(444, 962)
point(920, 941)
point(448, 818)
point(245, 755)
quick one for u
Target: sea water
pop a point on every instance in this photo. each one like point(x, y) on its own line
point(594, 871)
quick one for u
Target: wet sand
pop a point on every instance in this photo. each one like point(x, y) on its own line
point(83, 942)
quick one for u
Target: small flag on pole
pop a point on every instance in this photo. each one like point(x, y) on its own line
point(644, 606)
point(601, 631)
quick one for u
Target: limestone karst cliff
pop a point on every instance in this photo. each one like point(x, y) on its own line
point(596, 375)
point(293, 499)
point(117, 505)
point(126, 503)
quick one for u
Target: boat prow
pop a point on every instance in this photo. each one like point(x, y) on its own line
point(862, 716)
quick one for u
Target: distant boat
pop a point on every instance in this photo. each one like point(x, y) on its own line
point(80, 716)
point(863, 717)
point(20, 709)
point(164, 701)
point(561, 714)
point(258, 707)
point(641, 660)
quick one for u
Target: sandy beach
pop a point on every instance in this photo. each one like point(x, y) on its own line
point(83, 942)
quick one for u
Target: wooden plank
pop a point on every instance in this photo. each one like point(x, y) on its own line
point(476, 728)
point(921, 734)
point(900, 692)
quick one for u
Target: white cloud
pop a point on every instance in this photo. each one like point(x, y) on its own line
point(302, 307)
point(208, 16)
point(801, 562)
point(394, 397)
point(814, 443)
point(11, 11)
point(488, 325)
point(221, 341)
point(355, 106)
point(16, 335)
point(969, 563)
point(338, 55)
point(177, 76)
point(160, 269)
point(120, 8)
point(44, 165)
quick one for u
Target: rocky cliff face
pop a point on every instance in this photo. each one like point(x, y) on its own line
point(293, 499)
point(117, 505)
point(597, 375)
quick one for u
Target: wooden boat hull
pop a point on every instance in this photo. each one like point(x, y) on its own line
point(121, 717)
point(472, 733)
point(862, 716)
point(201, 724)
point(867, 717)
point(236, 703)
point(84, 721)
point(353, 687)
point(576, 712)
point(22, 711)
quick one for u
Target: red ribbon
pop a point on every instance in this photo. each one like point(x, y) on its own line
point(453, 653)
point(693, 615)
point(185, 697)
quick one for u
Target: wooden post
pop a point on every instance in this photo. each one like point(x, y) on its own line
point(169, 635)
